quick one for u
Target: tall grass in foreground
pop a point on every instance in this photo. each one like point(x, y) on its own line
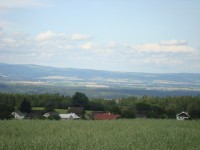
point(95, 135)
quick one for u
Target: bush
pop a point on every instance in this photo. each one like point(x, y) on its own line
point(5, 112)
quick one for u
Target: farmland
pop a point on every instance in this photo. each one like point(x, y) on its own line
point(34, 79)
point(117, 134)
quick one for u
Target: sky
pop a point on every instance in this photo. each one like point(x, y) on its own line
point(154, 36)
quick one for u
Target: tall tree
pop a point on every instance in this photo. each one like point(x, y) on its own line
point(49, 106)
point(25, 106)
point(79, 100)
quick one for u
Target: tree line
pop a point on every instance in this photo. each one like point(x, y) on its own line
point(151, 107)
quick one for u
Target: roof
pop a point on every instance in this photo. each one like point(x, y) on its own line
point(76, 110)
point(69, 116)
point(105, 116)
point(97, 112)
point(18, 112)
point(183, 114)
point(50, 114)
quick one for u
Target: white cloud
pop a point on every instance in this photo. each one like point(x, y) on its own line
point(45, 36)
point(78, 36)
point(173, 42)
point(51, 48)
point(164, 48)
point(49, 35)
point(8, 4)
point(68, 47)
point(88, 45)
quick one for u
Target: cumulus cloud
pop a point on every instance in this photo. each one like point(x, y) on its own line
point(173, 42)
point(8, 4)
point(165, 47)
point(52, 48)
point(45, 36)
point(88, 45)
point(78, 36)
point(49, 35)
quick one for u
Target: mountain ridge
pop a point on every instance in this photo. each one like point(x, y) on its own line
point(34, 76)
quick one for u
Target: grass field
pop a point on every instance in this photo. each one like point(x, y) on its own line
point(61, 111)
point(100, 135)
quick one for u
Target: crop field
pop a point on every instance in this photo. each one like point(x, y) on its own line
point(137, 134)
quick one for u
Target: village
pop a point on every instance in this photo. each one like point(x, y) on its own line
point(77, 113)
point(80, 107)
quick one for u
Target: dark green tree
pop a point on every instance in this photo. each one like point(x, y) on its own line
point(25, 106)
point(49, 106)
point(194, 110)
point(157, 111)
point(128, 113)
point(5, 112)
point(142, 106)
point(79, 100)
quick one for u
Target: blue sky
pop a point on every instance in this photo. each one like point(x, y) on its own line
point(120, 35)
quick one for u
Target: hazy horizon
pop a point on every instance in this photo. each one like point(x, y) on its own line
point(127, 36)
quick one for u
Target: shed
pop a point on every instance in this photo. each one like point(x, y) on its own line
point(18, 115)
point(182, 116)
point(69, 116)
point(48, 114)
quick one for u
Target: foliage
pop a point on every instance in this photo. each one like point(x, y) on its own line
point(79, 100)
point(25, 106)
point(154, 107)
point(128, 113)
point(5, 112)
point(194, 109)
point(49, 106)
point(54, 116)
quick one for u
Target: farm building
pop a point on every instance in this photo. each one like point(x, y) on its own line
point(18, 115)
point(77, 110)
point(48, 114)
point(182, 116)
point(69, 116)
point(106, 116)
point(96, 112)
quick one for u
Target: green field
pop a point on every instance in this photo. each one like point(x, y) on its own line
point(95, 135)
point(61, 111)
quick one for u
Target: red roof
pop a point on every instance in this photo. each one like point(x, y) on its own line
point(105, 116)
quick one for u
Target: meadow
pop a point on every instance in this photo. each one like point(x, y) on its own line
point(100, 135)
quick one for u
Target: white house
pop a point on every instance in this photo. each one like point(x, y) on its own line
point(18, 115)
point(68, 116)
point(46, 115)
point(182, 116)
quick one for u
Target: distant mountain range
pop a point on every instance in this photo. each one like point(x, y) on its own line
point(16, 78)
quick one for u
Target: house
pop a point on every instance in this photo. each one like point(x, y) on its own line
point(182, 116)
point(77, 110)
point(18, 115)
point(69, 116)
point(93, 113)
point(106, 116)
point(48, 114)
